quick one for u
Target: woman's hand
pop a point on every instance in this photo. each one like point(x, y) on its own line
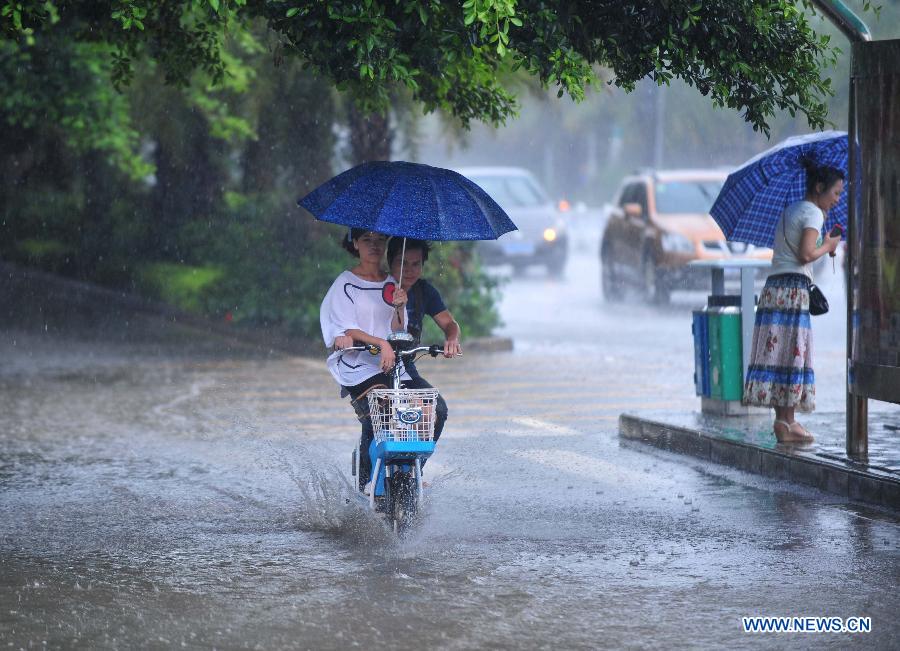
point(398, 322)
point(810, 250)
point(451, 348)
point(400, 297)
point(342, 341)
point(388, 358)
point(830, 244)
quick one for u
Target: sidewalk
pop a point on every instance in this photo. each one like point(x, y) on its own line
point(747, 443)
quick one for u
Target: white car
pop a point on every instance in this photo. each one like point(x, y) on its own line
point(541, 238)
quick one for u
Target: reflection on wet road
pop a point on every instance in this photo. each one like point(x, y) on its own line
point(166, 496)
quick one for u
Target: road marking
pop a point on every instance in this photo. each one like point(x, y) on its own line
point(313, 365)
point(582, 465)
point(541, 427)
point(166, 409)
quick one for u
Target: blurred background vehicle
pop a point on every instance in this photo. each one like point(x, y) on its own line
point(658, 223)
point(542, 237)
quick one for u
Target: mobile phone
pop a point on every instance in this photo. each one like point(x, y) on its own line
point(836, 230)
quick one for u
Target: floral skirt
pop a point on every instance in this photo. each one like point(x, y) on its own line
point(781, 373)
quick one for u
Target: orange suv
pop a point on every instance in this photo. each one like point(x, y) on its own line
point(659, 222)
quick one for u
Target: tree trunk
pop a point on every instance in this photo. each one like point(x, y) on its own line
point(371, 136)
point(189, 180)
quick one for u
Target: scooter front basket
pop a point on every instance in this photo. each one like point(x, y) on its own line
point(403, 414)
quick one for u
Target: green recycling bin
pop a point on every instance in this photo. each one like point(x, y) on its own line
point(725, 373)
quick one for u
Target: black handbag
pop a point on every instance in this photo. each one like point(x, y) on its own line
point(818, 304)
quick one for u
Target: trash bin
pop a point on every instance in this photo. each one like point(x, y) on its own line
point(725, 372)
point(717, 348)
point(722, 338)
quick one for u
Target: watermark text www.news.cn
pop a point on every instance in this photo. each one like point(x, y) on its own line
point(806, 624)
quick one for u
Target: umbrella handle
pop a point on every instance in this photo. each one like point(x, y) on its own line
point(402, 256)
point(400, 281)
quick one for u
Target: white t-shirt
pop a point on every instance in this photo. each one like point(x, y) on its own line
point(795, 218)
point(356, 304)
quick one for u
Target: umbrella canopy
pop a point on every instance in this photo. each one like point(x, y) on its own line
point(754, 195)
point(409, 200)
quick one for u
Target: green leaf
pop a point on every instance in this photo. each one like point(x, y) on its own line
point(293, 11)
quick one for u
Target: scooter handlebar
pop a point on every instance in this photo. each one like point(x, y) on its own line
point(434, 350)
point(372, 349)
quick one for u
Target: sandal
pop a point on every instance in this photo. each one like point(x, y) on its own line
point(790, 433)
point(801, 431)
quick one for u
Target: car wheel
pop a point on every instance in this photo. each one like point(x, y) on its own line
point(520, 267)
point(655, 290)
point(556, 267)
point(612, 289)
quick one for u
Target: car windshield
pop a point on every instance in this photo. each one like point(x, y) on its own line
point(687, 196)
point(511, 191)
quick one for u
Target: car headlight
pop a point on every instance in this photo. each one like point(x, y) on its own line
point(549, 234)
point(676, 242)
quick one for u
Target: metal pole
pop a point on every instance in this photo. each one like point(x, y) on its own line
point(857, 436)
point(857, 407)
point(718, 281)
point(659, 133)
point(748, 312)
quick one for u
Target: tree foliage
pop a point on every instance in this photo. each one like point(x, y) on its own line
point(185, 192)
point(581, 151)
point(754, 56)
point(145, 138)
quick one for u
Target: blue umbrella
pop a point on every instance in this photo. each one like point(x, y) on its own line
point(754, 195)
point(409, 200)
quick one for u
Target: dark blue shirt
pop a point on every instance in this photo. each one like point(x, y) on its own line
point(423, 299)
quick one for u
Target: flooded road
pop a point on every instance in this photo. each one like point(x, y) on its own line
point(170, 494)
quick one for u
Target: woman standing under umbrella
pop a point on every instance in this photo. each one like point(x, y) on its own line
point(781, 373)
point(361, 306)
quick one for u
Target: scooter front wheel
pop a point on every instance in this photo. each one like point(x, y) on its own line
point(403, 501)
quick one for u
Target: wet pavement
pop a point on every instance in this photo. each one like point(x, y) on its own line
point(161, 492)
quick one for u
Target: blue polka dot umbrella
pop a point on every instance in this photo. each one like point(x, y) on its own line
point(754, 195)
point(409, 200)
